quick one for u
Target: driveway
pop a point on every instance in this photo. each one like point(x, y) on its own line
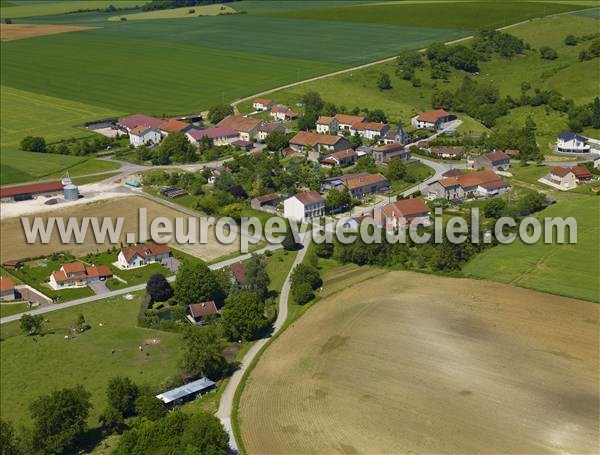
point(99, 287)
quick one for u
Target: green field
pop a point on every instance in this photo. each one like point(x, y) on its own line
point(47, 8)
point(206, 10)
point(461, 15)
point(30, 369)
point(19, 166)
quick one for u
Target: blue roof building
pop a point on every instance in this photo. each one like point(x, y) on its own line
point(186, 392)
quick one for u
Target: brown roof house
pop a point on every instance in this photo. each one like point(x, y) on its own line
point(402, 213)
point(327, 125)
point(262, 104)
point(283, 113)
point(246, 127)
point(266, 202)
point(76, 274)
point(304, 206)
point(269, 127)
point(342, 158)
point(434, 119)
point(315, 144)
point(493, 161)
point(446, 152)
point(346, 122)
point(466, 185)
point(364, 184)
point(566, 178)
point(382, 154)
point(141, 255)
point(7, 289)
point(370, 130)
point(202, 313)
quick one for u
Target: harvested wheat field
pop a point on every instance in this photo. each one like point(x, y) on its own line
point(412, 363)
point(13, 32)
point(14, 245)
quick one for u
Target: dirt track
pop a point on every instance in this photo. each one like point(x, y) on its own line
point(430, 365)
point(12, 32)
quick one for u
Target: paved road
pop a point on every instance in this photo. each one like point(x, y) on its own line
point(226, 403)
point(130, 289)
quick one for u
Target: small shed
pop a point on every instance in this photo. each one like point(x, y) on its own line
point(186, 392)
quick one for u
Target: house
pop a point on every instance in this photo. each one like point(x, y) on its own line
point(238, 273)
point(174, 126)
point(246, 127)
point(446, 152)
point(568, 142)
point(363, 150)
point(185, 393)
point(327, 125)
point(219, 136)
point(365, 184)
point(25, 192)
point(401, 213)
point(76, 274)
point(382, 154)
point(201, 313)
point(266, 202)
point(433, 120)
point(316, 144)
point(7, 289)
point(304, 206)
point(345, 122)
point(467, 184)
point(493, 161)
point(395, 135)
point(129, 123)
point(141, 255)
point(262, 104)
point(370, 130)
point(267, 128)
point(565, 178)
point(144, 135)
point(342, 158)
point(283, 113)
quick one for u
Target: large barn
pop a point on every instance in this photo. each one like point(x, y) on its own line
point(25, 192)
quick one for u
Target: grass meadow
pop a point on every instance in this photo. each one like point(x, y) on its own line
point(32, 367)
point(16, 9)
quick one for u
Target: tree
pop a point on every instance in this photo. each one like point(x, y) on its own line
point(302, 293)
point(205, 434)
point(178, 148)
point(202, 354)
point(32, 324)
point(149, 407)
point(121, 393)
point(308, 121)
point(338, 200)
point(277, 140)
point(530, 203)
point(313, 102)
point(571, 40)
point(384, 82)
point(33, 144)
point(324, 250)
point(112, 421)
point(494, 208)
point(396, 170)
point(256, 277)
point(218, 112)
point(8, 440)
point(547, 53)
point(376, 115)
point(59, 418)
point(243, 316)
point(196, 283)
point(159, 288)
point(304, 273)
point(596, 113)
point(289, 242)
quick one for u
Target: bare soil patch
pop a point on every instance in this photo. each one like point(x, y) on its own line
point(13, 32)
point(413, 363)
point(14, 245)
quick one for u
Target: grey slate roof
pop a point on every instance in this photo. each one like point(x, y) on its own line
point(569, 135)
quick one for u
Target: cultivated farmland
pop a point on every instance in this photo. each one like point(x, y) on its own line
point(10, 32)
point(46, 8)
point(409, 363)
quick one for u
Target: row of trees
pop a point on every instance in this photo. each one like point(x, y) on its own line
point(79, 147)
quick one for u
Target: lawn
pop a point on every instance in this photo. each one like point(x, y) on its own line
point(47, 8)
point(459, 15)
point(570, 270)
point(30, 369)
point(19, 166)
point(8, 309)
point(26, 113)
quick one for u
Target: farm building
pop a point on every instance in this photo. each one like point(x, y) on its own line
point(219, 135)
point(129, 123)
point(327, 125)
point(370, 130)
point(262, 104)
point(7, 289)
point(144, 135)
point(382, 154)
point(25, 192)
point(141, 255)
point(267, 128)
point(493, 161)
point(467, 184)
point(434, 119)
point(185, 393)
point(365, 184)
point(201, 313)
point(173, 192)
point(247, 128)
point(266, 202)
point(342, 158)
point(173, 126)
point(304, 206)
point(569, 142)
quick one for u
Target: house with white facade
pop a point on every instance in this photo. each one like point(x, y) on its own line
point(316, 144)
point(141, 255)
point(494, 161)
point(76, 274)
point(567, 178)
point(219, 136)
point(569, 142)
point(327, 125)
point(401, 213)
point(304, 206)
point(246, 127)
point(7, 289)
point(395, 135)
point(458, 185)
point(370, 130)
point(267, 128)
point(283, 113)
point(433, 120)
point(262, 104)
point(345, 122)
point(144, 135)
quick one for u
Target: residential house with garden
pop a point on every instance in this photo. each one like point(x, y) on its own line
point(175, 126)
point(327, 125)
point(382, 154)
point(144, 135)
point(262, 104)
point(463, 185)
point(316, 144)
point(202, 313)
point(359, 185)
point(343, 158)
point(494, 161)
point(304, 206)
point(397, 135)
point(219, 136)
point(269, 127)
point(247, 128)
point(567, 178)
point(283, 113)
point(141, 255)
point(401, 213)
point(569, 142)
point(346, 122)
point(76, 274)
point(432, 120)
point(7, 289)
point(446, 153)
point(370, 130)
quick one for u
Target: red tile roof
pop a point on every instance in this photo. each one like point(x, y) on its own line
point(370, 126)
point(349, 119)
point(212, 133)
point(172, 125)
point(432, 116)
point(238, 271)
point(147, 250)
point(267, 197)
point(6, 284)
point(310, 197)
point(387, 148)
point(141, 129)
point(98, 271)
point(73, 267)
point(582, 172)
point(365, 180)
point(139, 119)
point(324, 120)
point(560, 171)
point(199, 310)
point(241, 124)
point(470, 179)
point(496, 156)
point(447, 151)
point(412, 207)
point(35, 188)
point(263, 101)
